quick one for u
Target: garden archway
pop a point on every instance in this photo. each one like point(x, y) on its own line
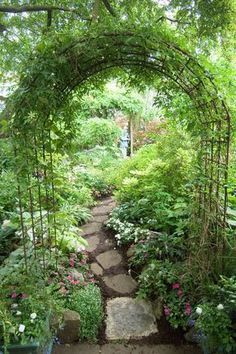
point(61, 67)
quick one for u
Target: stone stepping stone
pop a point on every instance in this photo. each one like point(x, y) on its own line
point(100, 218)
point(109, 259)
point(107, 201)
point(91, 228)
point(93, 243)
point(128, 318)
point(96, 269)
point(121, 283)
point(102, 210)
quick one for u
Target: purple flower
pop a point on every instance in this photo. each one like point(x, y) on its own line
point(191, 323)
point(167, 311)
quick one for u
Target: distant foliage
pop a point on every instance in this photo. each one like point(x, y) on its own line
point(97, 131)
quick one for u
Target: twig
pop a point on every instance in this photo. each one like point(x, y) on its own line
point(172, 20)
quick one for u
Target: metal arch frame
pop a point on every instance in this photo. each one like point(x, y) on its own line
point(128, 50)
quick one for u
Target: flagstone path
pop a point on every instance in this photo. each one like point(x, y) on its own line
point(126, 318)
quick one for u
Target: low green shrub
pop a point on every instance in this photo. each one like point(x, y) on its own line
point(87, 302)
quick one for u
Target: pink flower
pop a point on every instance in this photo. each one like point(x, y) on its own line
point(188, 309)
point(69, 277)
point(14, 295)
point(167, 311)
point(24, 296)
point(175, 286)
point(180, 293)
point(72, 262)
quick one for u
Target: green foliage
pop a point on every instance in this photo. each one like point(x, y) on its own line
point(160, 246)
point(218, 336)
point(6, 155)
point(208, 17)
point(166, 164)
point(97, 131)
point(88, 303)
point(8, 194)
point(112, 99)
point(8, 241)
point(154, 186)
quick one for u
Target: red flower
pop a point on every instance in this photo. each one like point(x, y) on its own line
point(175, 286)
point(188, 309)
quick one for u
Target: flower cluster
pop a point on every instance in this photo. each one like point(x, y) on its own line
point(126, 231)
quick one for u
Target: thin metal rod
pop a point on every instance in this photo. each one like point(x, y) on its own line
point(39, 199)
point(24, 237)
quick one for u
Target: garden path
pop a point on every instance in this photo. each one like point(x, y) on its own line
point(126, 318)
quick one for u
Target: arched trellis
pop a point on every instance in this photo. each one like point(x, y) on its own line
point(62, 68)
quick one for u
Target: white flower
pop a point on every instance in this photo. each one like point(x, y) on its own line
point(21, 328)
point(14, 306)
point(220, 307)
point(80, 248)
point(18, 313)
point(199, 310)
point(6, 224)
point(33, 316)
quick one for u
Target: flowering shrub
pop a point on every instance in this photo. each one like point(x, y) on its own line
point(214, 327)
point(166, 281)
point(126, 231)
point(26, 303)
point(24, 312)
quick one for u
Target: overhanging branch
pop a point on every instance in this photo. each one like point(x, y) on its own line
point(37, 8)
